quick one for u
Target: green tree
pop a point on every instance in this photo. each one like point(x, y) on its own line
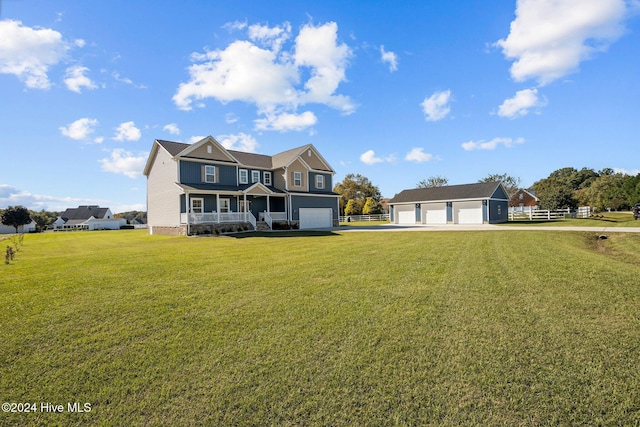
point(433, 181)
point(353, 207)
point(15, 216)
point(510, 183)
point(371, 207)
point(357, 188)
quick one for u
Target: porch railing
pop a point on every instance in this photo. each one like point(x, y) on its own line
point(268, 220)
point(214, 217)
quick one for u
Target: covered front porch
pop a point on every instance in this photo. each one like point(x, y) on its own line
point(256, 207)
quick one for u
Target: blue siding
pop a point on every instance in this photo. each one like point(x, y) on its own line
point(298, 202)
point(328, 185)
point(498, 211)
point(191, 173)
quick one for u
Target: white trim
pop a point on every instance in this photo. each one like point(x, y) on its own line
point(246, 176)
point(320, 182)
point(205, 140)
point(207, 174)
point(266, 174)
point(296, 179)
point(196, 199)
point(255, 176)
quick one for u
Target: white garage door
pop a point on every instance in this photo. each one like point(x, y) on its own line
point(468, 212)
point(405, 215)
point(316, 218)
point(434, 213)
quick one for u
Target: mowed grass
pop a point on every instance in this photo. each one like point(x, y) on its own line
point(407, 328)
point(602, 219)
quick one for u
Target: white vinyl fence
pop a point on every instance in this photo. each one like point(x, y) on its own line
point(523, 213)
point(354, 218)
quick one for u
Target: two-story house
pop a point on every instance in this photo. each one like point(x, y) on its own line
point(203, 187)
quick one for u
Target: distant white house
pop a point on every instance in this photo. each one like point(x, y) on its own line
point(88, 218)
point(10, 229)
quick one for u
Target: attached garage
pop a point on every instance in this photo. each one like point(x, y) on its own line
point(316, 218)
point(406, 214)
point(467, 212)
point(434, 213)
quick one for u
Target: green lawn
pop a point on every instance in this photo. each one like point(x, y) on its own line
point(408, 328)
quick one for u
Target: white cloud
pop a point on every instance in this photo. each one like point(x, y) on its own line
point(124, 162)
point(80, 129)
point(369, 157)
point(519, 105)
point(491, 145)
point(549, 38)
point(285, 122)
point(390, 58)
point(418, 155)
point(76, 80)
point(436, 107)
point(623, 171)
point(172, 128)
point(29, 52)
point(12, 196)
point(239, 142)
point(127, 131)
point(260, 72)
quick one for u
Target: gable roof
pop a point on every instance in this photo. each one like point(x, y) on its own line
point(481, 190)
point(259, 161)
point(83, 213)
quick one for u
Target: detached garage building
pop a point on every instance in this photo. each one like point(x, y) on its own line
point(481, 203)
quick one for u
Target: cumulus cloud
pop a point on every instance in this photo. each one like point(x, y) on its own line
point(239, 142)
point(491, 145)
point(390, 58)
point(75, 79)
point(549, 38)
point(127, 131)
point(172, 128)
point(520, 104)
point(28, 52)
point(12, 196)
point(418, 155)
point(124, 162)
point(261, 72)
point(80, 129)
point(287, 121)
point(369, 158)
point(436, 107)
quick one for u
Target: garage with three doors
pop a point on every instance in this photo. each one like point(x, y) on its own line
point(479, 203)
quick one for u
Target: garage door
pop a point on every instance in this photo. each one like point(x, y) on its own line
point(468, 212)
point(405, 215)
point(434, 213)
point(316, 218)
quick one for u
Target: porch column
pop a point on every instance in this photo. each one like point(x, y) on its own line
point(187, 207)
point(244, 200)
point(268, 205)
point(218, 207)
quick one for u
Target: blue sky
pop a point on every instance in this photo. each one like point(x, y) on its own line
point(395, 91)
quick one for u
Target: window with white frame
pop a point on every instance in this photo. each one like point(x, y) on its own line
point(209, 173)
point(197, 206)
point(320, 181)
point(297, 179)
point(224, 205)
point(243, 176)
point(255, 176)
point(267, 178)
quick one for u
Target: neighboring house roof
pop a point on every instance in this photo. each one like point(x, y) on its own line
point(482, 190)
point(82, 213)
point(258, 161)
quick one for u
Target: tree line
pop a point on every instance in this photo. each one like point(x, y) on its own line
point(563, 188)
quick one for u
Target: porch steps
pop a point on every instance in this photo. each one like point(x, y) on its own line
point(262, 226)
